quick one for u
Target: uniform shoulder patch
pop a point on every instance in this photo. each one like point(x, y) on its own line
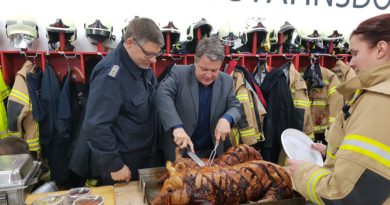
point(114, 71)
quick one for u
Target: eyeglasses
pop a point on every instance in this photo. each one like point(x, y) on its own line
point(148, 54)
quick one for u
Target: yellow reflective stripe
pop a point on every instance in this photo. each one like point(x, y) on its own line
point(16, 134)
point(355, 96)
point(236, 135)
point(330, 155)
point(252, 106)
point(319, 103)
point(367, 147)
point(311, 135)
point(303, 103)
point(326, 82)
point(245, 133)
point(317, 128)
point(20, 96)
point(32, 140)
point(331, 119)
point(242, 97)
point(311, 193)
point(331, 90)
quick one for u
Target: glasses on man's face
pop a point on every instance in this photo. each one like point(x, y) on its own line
point(148, 54)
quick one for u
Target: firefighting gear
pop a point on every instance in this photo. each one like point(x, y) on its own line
point(310, 42)
point(22, 31)
point(289, 33)
point(256, 38)
point(61, 26)
point(343, 71)
point(325, 101)
point(19, 109)
point(248, 129)
point(196, 32)
point(231, 37)
point(100, 32)
point(281, 113)
point(339, 44)
point(272, 41)
point(313, 75)
point(361, 170)
point(4, 93)
point(301, 100)
point(173, 33)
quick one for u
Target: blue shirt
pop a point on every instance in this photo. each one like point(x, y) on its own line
point(202, 137)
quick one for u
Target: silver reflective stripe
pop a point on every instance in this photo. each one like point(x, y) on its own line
point(369, 147)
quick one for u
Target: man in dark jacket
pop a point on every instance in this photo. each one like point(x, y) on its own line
point(120, 121)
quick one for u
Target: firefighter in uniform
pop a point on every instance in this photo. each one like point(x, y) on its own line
point(120, 120)
point(361, 173)
point(344, 73)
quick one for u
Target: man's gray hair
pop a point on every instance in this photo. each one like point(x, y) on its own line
point(144, 30)
point(211, 47)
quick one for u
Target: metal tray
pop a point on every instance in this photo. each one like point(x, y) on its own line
point(150, 185)
point(16, 170)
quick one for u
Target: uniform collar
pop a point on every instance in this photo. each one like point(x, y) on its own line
point(124, 57)
point(27, 67)
point(342, 66)
point(375, 79)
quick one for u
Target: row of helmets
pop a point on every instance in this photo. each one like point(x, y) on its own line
point(22, 32)
point(241, 40)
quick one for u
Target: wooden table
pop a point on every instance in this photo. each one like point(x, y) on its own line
point(120, 194)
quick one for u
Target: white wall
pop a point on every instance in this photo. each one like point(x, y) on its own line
point(184, 12)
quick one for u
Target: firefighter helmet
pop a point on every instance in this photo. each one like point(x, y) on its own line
point(61, 26)
point(231, 36)
point(205, 29)
point(311, 41)
point(290, 33)
point(255, 26)
point(174, 34)
point(340, 44)
point(98, 31)
point(22, 31)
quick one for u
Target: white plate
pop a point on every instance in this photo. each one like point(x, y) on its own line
point(298, 146)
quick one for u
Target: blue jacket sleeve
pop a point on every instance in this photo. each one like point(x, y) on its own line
point(103, 107)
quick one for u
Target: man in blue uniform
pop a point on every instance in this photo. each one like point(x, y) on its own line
point(120, 120)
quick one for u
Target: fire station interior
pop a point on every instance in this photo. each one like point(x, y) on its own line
point(248, 50)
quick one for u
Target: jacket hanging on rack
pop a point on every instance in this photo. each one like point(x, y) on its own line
point(4, 93)
point(54, 128)
point(325, 101)
point(301, 100)
point(248, 129)
point(19, 109)
point(280, 112)
point(34, 80)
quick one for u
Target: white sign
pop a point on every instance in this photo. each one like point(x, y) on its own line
point(323, 15)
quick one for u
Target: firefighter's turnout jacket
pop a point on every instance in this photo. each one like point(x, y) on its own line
point(249, 128)
point(300, 97)
point(325, 102)
point(19, 109)
point(344, 73)
point(361, 173)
